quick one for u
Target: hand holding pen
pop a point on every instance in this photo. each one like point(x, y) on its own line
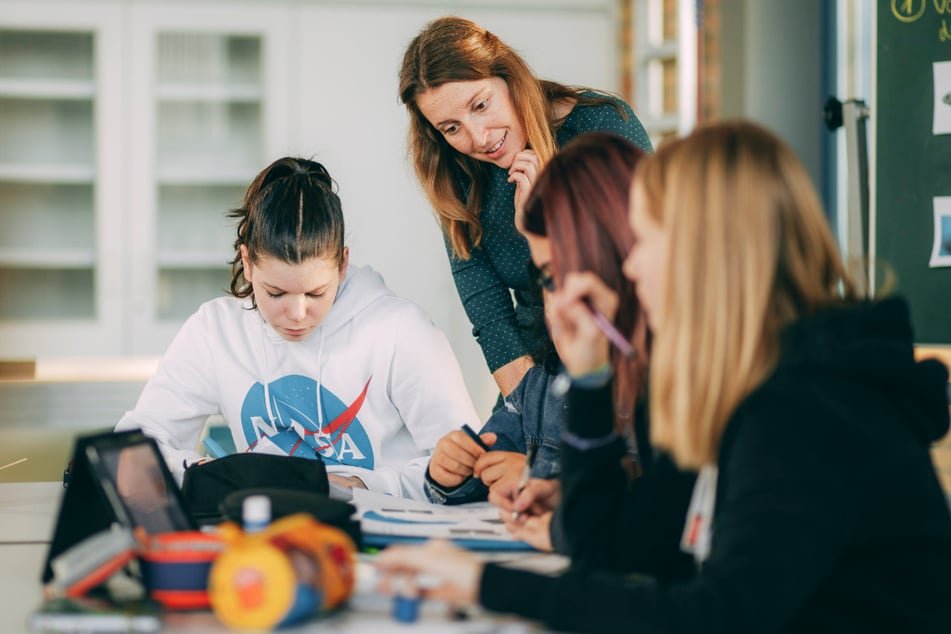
point(537, 497)
point(577, 315)
point(611, 332)
point(497, 466)
point(455, 456)
point(603, 323)
point(524, 477)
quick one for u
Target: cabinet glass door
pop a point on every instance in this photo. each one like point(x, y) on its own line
point(57, 290)
point(47, 176)
point(209, 147)
point(203, 128)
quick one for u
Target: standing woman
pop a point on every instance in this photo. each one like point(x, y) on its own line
point(482, 126)
point(574, 220)
point(802, 406)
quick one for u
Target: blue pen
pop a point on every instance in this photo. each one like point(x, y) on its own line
point(474, 436)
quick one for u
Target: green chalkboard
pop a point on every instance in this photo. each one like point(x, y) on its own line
point(913, 157)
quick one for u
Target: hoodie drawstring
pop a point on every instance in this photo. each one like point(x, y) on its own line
point(267, 378)
point(320, 368)
point(267, 381)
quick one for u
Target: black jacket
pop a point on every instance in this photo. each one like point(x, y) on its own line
point(828, 517)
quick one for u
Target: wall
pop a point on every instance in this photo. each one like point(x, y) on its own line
point(772, 71)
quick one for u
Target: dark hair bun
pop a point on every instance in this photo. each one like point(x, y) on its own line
point(289, 167)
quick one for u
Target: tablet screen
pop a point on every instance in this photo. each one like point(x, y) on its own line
point(139, 486)
point(116, 477)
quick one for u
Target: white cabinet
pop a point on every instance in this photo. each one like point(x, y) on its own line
point(128, 133)
point(59, 182)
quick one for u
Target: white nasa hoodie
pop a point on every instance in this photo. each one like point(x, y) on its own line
point(371, 390)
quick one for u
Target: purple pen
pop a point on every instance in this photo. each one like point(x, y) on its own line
point(612, 333)
point(547, 282)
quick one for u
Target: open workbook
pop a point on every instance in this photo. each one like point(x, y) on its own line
point(385, 519)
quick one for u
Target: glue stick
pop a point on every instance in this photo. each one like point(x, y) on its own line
point(255, 513)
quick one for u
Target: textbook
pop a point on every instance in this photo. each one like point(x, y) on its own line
point(385, 519)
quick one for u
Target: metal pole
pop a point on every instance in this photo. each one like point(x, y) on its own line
point(854, 115)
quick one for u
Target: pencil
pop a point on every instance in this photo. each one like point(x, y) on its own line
point(15, 462)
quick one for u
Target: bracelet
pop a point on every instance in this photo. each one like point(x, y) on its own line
point(593, 380)
point(599, 377)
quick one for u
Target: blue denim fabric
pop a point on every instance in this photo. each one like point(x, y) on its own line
point(533, 416)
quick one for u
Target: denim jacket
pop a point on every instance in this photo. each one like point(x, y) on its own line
point(533, 415)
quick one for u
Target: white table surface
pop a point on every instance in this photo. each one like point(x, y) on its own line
point(28, 511)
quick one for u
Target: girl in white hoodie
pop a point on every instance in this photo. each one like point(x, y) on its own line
point(310, 355)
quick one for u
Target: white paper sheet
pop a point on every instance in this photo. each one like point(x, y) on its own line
point(418, 511)
point(403, 517)
point(942, 98)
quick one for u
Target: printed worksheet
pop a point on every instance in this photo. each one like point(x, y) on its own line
point(382, 514)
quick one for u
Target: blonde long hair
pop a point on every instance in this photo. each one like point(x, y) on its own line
point(750, 251)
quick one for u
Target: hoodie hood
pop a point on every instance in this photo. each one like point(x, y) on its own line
point(361, 287)
point(871, 342)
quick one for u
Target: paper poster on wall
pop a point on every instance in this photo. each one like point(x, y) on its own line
point(942, 97)
point(941, 252)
